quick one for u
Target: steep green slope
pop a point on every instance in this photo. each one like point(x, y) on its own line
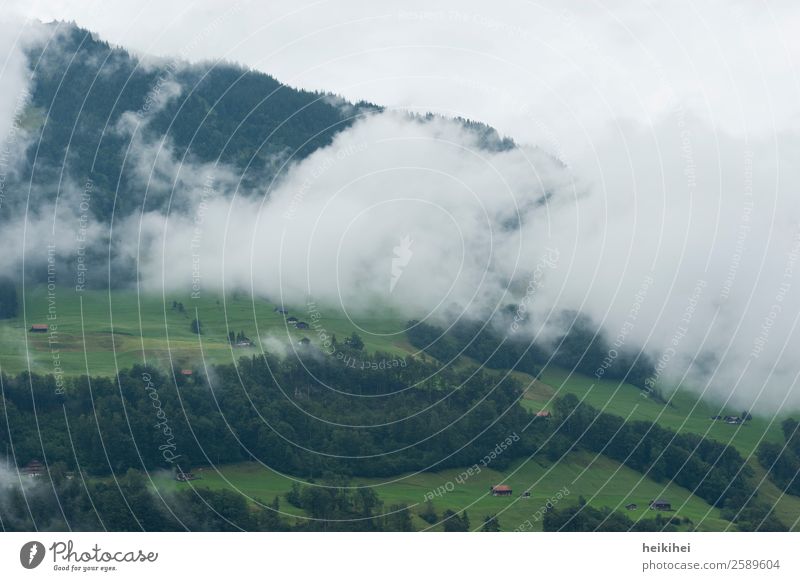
point(683, 411)
point(104, 332)
point(602, 482)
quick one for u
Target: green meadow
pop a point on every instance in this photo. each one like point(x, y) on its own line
point(99, 333)
point(682, 411)
point(599, 480)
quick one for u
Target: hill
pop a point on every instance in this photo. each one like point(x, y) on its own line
point(92, 104)
point(104, 332)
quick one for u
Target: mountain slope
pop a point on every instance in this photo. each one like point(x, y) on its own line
point(91, 104)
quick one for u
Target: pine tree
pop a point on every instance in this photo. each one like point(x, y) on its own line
point(491, 524)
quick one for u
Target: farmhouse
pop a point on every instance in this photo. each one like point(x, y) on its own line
point(631, 506)
point(182, 476)
point(501, 490)
point(543, 414)
point(33, 468)
point(292, 320)
point(281, 310)
point(660, 504)
point(733, 420)
point(304, 341)
point(38, 328)
point(301, 325)
point(186, 372)
point(244, 343)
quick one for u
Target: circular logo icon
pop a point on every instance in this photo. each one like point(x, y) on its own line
point(31, 554)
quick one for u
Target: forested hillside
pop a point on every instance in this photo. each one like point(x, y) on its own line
point(91, 103)
point(213, 112)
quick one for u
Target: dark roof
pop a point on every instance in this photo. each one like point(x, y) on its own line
point(33, 467)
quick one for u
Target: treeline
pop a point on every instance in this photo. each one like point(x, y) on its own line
point(713, 471)
point(581, 346)
point(478, 341)
point(582, 518)
point(344, 508)
point(783, 461)
point(306, 415)
point(586, 348)
point(131, 503)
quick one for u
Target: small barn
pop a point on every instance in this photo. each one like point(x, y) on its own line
point(39, 328)
point(304, 341)
point(186, 476)
point(501, 490)
point(301, 325)
point(631, 506)
point(281, 310)
point(660, 504)
point(187, 372)
point(543, 414)
point(33, 468)
point(292, 320)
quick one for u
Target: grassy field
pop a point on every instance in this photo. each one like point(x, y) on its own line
point(99, 333)
point(102, 332)
point(601, 481)
point(683, 412)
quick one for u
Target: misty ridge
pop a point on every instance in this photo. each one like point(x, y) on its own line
point(676, 241)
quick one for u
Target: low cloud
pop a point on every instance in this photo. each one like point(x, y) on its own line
point(329, 227)
point(675, 233)
point(677, 237)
